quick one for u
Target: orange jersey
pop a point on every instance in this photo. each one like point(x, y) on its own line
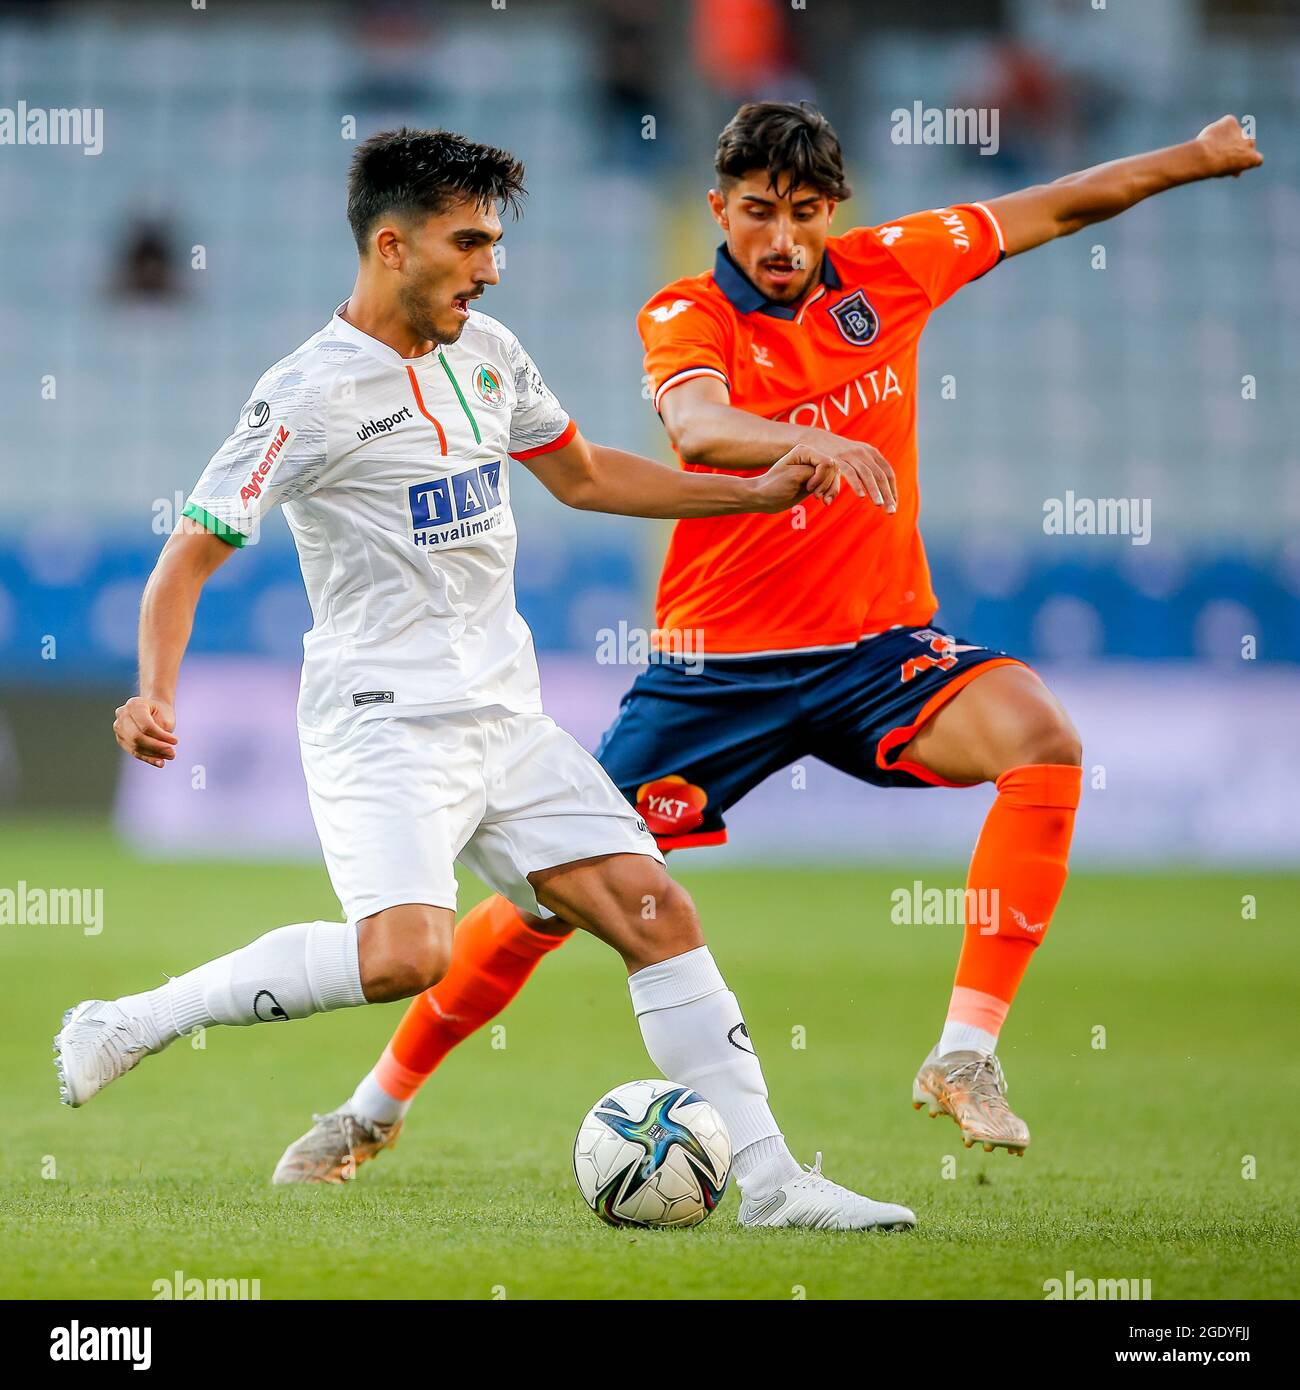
point(844, 360)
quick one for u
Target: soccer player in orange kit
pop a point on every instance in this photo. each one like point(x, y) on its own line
point(817, 630)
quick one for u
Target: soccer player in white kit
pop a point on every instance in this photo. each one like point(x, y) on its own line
point(386, 437)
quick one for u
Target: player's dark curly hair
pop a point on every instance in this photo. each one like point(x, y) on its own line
point(425, 171)
point(792, 141)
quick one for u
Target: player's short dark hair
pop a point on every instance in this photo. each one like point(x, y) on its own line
point(424, 171)
point(791, 141)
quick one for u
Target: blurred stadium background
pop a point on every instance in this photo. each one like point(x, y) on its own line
point(146, 288)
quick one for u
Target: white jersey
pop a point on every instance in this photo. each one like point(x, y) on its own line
point(394, 476)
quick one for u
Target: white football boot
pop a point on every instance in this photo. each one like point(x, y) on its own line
point(97, 1043)
point(816, 1201)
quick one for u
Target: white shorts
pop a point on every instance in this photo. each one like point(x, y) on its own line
point(397, 801)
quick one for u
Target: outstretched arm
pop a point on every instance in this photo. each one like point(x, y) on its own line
point(144, 725)
point(706, 428)
point(594, 478)
point(1035, 215)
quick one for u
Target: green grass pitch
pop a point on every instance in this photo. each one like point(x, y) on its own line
point(1137, 1168)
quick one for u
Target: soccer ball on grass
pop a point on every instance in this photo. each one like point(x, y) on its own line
point(652, 1153)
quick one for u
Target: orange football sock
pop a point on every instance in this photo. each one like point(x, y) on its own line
point(493, 953)
point(1016, 873)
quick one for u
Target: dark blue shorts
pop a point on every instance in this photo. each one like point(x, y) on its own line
point(691, 739)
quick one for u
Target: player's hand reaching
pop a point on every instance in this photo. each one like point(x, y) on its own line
point(864, 468)
point(802, 473)
point(144, 728)
point(1228, 148)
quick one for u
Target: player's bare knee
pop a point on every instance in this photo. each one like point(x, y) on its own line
point(403, 952)
point(1051, 738)
point(402, 976)
point(432, 959)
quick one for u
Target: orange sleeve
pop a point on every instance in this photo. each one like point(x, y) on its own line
point(943, 249)
point(684, 337)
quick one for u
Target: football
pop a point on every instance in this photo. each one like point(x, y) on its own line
point(652, 1153)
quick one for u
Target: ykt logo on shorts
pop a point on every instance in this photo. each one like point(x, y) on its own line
point(672, 805)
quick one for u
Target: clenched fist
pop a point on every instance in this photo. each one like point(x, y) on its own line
point(1228, 148)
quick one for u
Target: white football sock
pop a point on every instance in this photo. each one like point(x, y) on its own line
point(695, 1034)
point(371, 1102)
point(762, 1167)
point(288, 973)
point(965, 1037)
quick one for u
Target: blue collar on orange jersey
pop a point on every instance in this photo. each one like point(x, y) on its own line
point(747, 297)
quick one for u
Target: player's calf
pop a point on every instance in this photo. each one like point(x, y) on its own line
point(628, 901)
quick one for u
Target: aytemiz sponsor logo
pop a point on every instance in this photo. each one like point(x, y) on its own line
point(253, 487)
point(672, 805)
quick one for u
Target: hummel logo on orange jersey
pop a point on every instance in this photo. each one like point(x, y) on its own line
point(661, 313)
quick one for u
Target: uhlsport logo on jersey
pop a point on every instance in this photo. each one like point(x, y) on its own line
point(856, 319)
point(384, 423)
point(487, 384)
point(458, 507)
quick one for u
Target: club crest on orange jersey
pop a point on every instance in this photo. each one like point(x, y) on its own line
point(857, 321)
point(672, 805)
